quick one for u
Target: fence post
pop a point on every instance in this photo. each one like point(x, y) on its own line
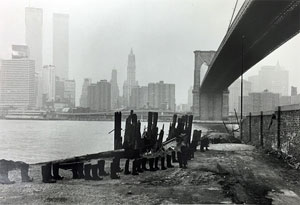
point(250, 137)
point(278, 126)
point(261, 129)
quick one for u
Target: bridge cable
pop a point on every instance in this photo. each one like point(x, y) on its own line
point(232, 14)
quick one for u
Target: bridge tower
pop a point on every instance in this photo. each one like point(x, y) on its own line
point(207, 105)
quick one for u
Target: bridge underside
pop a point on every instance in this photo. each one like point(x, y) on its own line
point(265, 25)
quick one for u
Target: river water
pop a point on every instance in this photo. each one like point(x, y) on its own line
point(39, 141)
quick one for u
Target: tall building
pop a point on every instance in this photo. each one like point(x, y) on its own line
point(114, 90)
point(235, 93)
point(69, 92)
point(161, 96)
point(34, 40)
point(139, 97)
point(273, 78)
point(294, 91)
point(59, 89)
point(130, 82)
point(99, 96)
point(259, 101)
point(84, 92)
point(17, 84)
point(49, 83)
point(61, 44)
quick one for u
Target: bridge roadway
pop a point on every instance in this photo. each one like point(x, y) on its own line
point(258, 29)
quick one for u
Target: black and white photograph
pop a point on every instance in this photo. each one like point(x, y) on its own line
point(150, 102)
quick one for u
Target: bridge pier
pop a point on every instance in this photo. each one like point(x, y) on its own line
point(213, 106)
point(207, 105)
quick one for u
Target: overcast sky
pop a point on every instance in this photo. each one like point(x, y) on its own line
point(162, 33)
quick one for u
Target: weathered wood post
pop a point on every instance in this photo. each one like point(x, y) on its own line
point(117, 132)
point(262, 129)
point(278, 126)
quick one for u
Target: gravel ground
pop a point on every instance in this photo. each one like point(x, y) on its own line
point(227, 173)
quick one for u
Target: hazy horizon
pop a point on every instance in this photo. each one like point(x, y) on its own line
point(162, 34)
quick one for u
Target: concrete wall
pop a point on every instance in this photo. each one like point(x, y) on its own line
point(277, 130)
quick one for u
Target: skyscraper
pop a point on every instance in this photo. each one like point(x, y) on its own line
point(84, 92)
point(114, 89)
point(273, 78)
point(17, 84)
point(49, 83)
point(130, 82)
point(161, 96)
point(69, 92)
point(34, 40)
point(99, 96)
point(61, 45)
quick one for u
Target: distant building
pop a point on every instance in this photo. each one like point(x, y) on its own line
point(131, 82)
point(259, 101)
point(114, 90)
point(285, 100)
point(99, 96)
point(294, 91)
point(61, 44)
point(65, 91)
point(183, 108)
point(161, 96)
point(59, 89)
point(20, 52)
point(34, 40)
point(84, 92)
point(295, 99)
point(69, 92)
point(49, 83)
point(190, 98)
point(235, 94)
point(17, 84)
point(273, 78)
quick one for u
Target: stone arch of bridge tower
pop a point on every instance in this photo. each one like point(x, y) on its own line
point(201, 57)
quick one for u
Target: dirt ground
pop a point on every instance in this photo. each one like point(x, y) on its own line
point(226, 174)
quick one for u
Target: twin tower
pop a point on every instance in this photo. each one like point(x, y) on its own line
point(207, 106)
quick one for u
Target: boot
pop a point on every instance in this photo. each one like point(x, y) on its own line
point(156, 163)
point(144, 163)
point(80, 170)
point(162, 163)
point(56, 172)
point(179, 156)
point(24, 173)
point(134, 167)
point(113, 171)
point(151, 163)
point(139, 166)
point(117, 163)
point(87, 172)
point(95, 175)
point(75, 172)
point(101, 166)
point(174, 160)
point(126, 170)
point(169, 161)
point(46, 174)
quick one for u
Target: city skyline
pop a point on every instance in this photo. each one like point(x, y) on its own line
point(93, 53)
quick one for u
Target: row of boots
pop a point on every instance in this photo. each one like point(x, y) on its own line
point(79, 170)
point(140, 165)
